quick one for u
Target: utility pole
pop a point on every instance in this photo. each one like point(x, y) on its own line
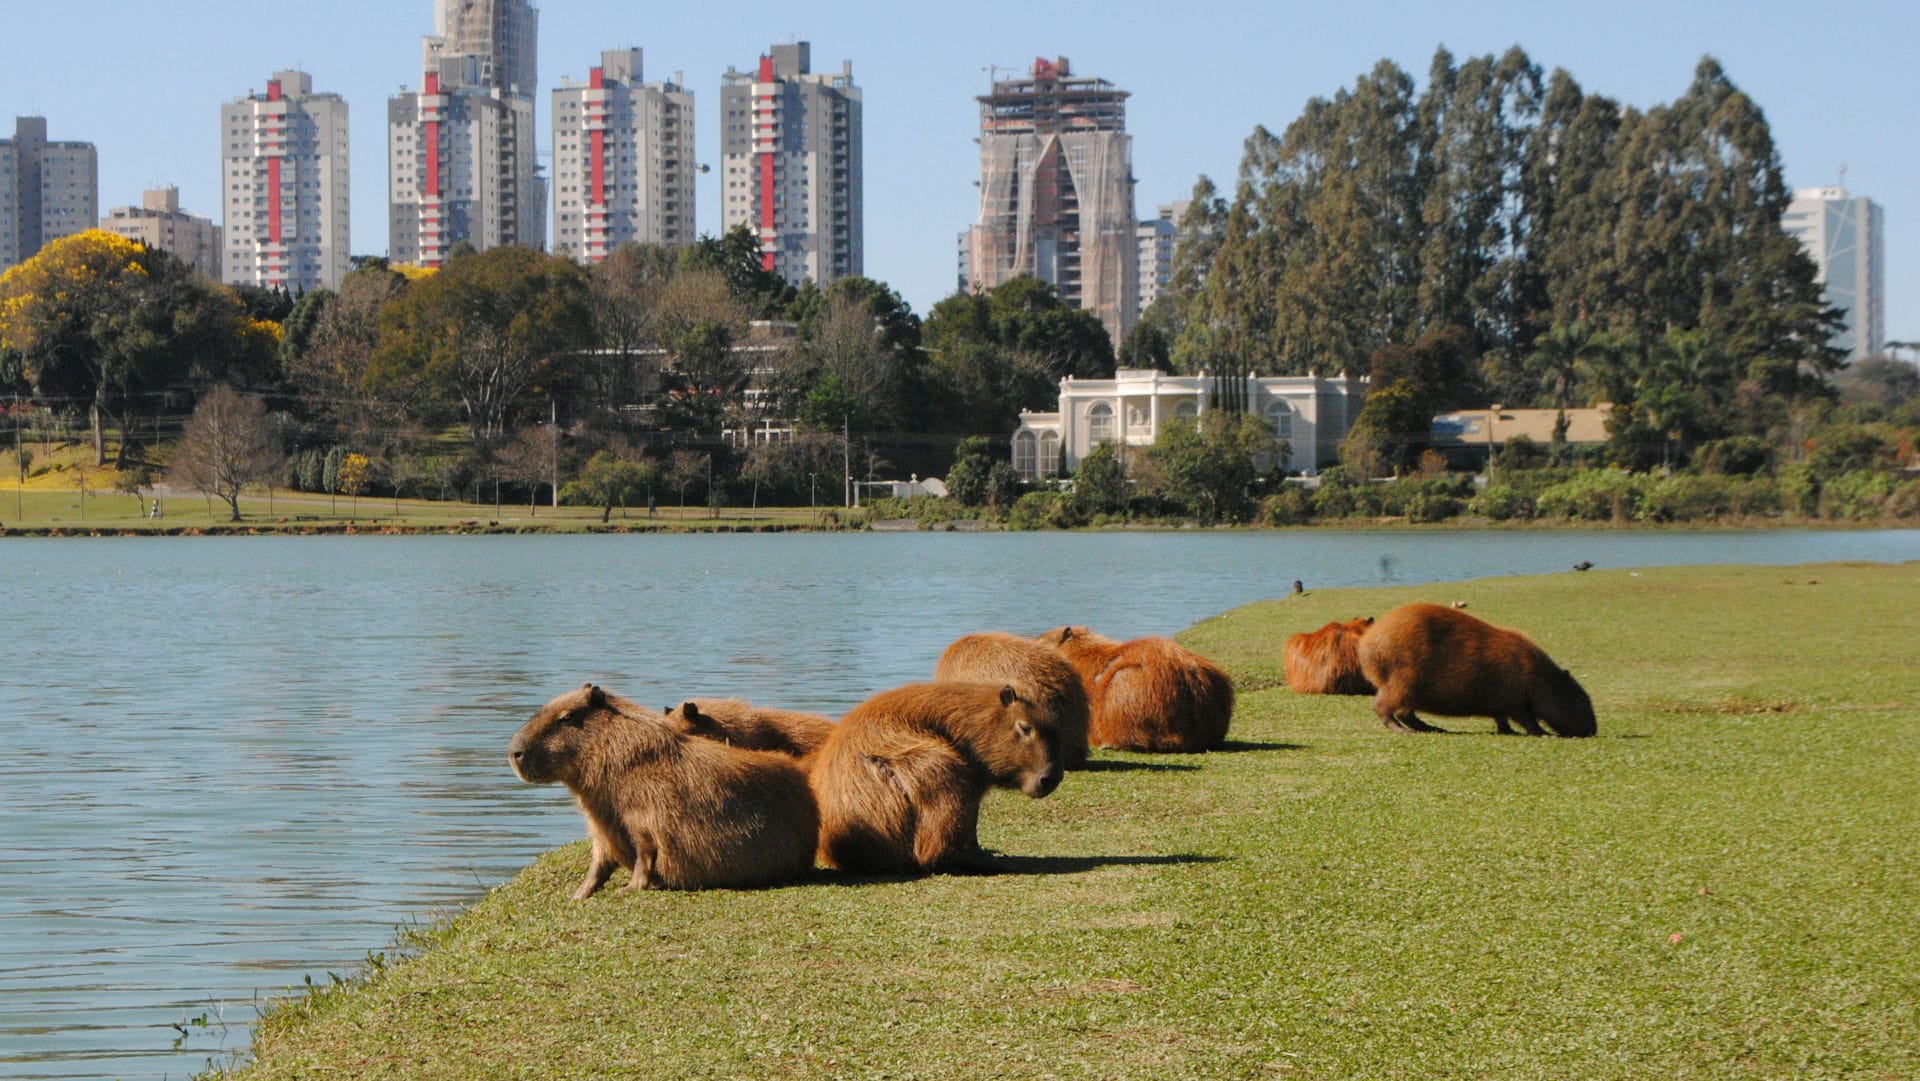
point(846, 457)
point(553, 438)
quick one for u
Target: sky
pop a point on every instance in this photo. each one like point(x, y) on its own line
point(144, 82)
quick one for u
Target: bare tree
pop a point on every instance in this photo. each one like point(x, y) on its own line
point(531, 458)
point(685, 467)
point(228, 445)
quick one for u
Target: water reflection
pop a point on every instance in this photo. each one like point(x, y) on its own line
point(247, 761)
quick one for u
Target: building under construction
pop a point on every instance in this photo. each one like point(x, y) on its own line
point(1056, 192)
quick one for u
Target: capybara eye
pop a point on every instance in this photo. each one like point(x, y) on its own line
point(1025, 729)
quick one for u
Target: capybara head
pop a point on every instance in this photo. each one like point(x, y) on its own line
point(1035, 749)
point(1560, 703)
point(548, 747)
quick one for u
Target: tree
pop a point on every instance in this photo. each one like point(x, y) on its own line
point(611, 478)
point(1100, 484)
point(856, 360)
point(993, 354)
point(482, 332)
point(228, 445)
point(684, 468)
point(356, 472)
point(328, 353)
point(531, 458)
point(737, 258)
point(766, 464)
point(1208, 465)
point(1393, 424)
point(626, 293)
point(967, 479)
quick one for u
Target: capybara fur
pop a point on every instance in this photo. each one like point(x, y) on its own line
point(1148, 694)
point(1327, 661)
point(750, 727)
point(900, 780)
point(1435, 659)
point(679, 811)
point(1040, 676)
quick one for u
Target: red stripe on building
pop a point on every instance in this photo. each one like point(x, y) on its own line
point(599, 168)
point(273, 200)
point(766, 209)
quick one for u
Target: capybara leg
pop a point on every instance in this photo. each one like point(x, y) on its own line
point(946, 833)
point(1501, 726)
point(644, 855)
point(1412, 723)
point(1527, 722)
point(599, 866)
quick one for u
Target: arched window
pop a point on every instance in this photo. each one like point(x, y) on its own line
point(1099, 424)
point(1280, 415)
point(1186, 409)
point(1049, 454)
point(1023, 454)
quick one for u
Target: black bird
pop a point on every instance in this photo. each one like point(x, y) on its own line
point(1297, 587)
point(1583, 565)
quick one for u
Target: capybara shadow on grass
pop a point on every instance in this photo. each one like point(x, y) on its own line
point(1434, 659)
point(1327, 661)
point(679, 811)
point(1038, 674)
point(752, 728)
point(1147, 694)
point(900, 780)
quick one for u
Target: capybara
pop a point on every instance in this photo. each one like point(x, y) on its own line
point(1435, 659)
point(1039, 675)
point(900, 780)
point(1327, 661)
point(1148, 694)
point(753, 728)
point(679, 811)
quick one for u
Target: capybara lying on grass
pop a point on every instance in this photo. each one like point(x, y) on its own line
point(900, 780)
point(679, 811)
point(1438, 660)
point(1149, 694)
point(752, 728)
point(1039, 675)
point(1327, 661)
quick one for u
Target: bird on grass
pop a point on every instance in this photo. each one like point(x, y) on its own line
point(1583, 565)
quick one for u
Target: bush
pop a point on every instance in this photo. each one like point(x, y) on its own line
point(1291, 505)
point(1044, 510)
point(1100, 485)
point(1800, 490)
point(1502, 503)
point(1736, 456)
point(1434, 507)
point(1859, 495)
point(925, 509)
point(1595, 496)
point(967, 480)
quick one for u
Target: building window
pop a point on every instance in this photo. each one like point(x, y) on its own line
point(1280, 415)
point(1099, 424)
point(1187, 410)
point(1023, 455)
point(1049, 454)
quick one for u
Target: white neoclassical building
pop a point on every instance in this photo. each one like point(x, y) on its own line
point(1310, 412)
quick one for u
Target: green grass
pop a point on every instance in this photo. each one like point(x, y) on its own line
point(1724, 884)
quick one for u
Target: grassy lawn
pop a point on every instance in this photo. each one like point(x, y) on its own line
point(1723, 884)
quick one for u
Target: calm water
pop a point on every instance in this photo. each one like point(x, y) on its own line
point(240, 762)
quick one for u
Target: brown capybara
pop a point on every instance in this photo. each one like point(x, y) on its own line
point(1327, 661)
point(679, 811)
point(1436, 659)
point(753, 728)
point(1039, 675)
point(900, 780)
point(1148, 694)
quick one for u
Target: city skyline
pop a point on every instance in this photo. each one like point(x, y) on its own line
point(1197, 85)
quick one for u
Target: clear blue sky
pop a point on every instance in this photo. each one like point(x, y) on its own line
point(1837, 81)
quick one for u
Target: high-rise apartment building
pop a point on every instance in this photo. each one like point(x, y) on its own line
point(284, 182)
point(460, 152)
point(623, 161)
point(1842, 235)
point(1056, 192)
point(791, 164)
point(158, 222)
point(48, 190)
point(1156, 237)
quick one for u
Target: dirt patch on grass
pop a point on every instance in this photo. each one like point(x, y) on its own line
point(1737, 706)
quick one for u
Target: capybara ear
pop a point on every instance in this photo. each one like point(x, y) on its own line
point(1066, 633)
point(1008, 694)
point(690, 713)
point(595, 696)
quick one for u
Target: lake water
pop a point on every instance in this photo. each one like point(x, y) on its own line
point(241, 762)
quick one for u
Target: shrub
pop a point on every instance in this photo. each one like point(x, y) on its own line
point(1291, 505)
point(1800, 490)
point(1502, 503)
point(1434, 507)
point(1100, 485)
point(1736, 456)
point(925, 509)
point(1044, 510)
point(1859, 494)
point(1595, 496)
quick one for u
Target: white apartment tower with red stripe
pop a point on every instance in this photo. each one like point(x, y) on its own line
point(284, 183)
point(791, 164)
point(460, 151)
point(623, 160)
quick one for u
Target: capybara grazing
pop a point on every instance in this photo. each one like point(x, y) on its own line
point(900, 780)
point(1039, 675)
point(753, 728)
point(1435, 659)
point(1148, 694)
point(679, 811)
point(1327, 661)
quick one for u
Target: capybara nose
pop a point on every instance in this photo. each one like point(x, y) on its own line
point(1049, 781)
